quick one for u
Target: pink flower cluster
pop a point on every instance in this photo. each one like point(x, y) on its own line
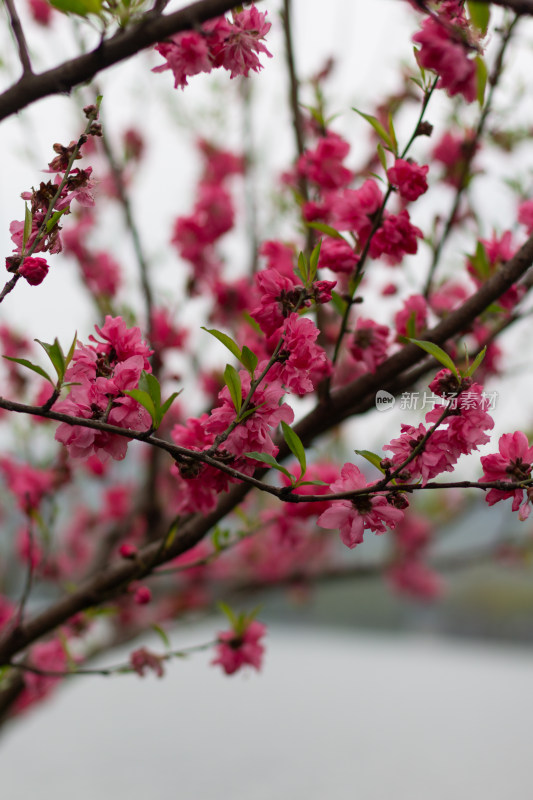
point(78, 186)
point(445, 50)
point(460, 432)
point(514, 462)
point(363, 512)
point(232, 44)
point(101, 372)
point(100, 271)
point(236, 649)
point(409, 178)
point(213, 214)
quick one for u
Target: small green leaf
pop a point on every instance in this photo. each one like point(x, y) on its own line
point(220, 538)
point(378, 127)
point(313, 261)
point(80, 7)
point(392, 135)
point(339, 303)
point(475, 364)
point(145, 400)
point(249, 360)
point(154, 388)
point(55, 354)
point(265, 458)
point(479, 15)
point(68, 357)
point(327, 229)
point(481, 79)
point(162, 635)
point(312, 483)
point(480, 262)
point(303, 268)
point(230, 614)
point(371, 457)
point(233, 382)
point(382, 157)
point(56, 216)
point(252, 322)
point(411, 325)
point(226, 340)
point(162, 410)
point(438, 353)
point(294, 443)
point(25, 363)
point(28, 219)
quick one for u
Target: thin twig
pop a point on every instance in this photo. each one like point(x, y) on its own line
point(18, 32)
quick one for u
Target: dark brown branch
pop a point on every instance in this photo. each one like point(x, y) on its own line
point(18, 32)
point(153, 27)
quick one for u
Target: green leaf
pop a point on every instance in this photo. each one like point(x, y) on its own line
point(313, 261)
point(28, 219)
point(68, 357)
point(154, 389)
point(392, 135)
point(80, 7)
point(382, 157)
point(265, 458)
point(294, 443)
point(411, 325)
point(233, 382)
point(303, 268)
point(226, 340)
point(479, 15)
point(481, 79)
point(162, 410)
point(145, 400)
point(162, 635)
point(252, 322)
point(220, 538)
point(371, 457)
point(480, 262)
point(378, 127)
point(475, 364)
point(57, 357)
point(249, 360)
point(52, 222)
point(438, 353)
point(230, 614)
point(25, 363)
point(339, 303)
point(312, 483)
point(327, 229)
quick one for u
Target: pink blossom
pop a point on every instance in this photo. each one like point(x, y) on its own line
point(369, 343)
point(142, 595)
point(239, 649)
point(235, 45)
point(338, 256)
point(409, 178)
point(186, 54)
point(525, 215)
point(412, 319)
point(436, 456)
point(41, 11)
point(448, 58)
point(302, 362)
point(352, 208)
point(279, 256)
point(49, 657)
point(363, 512)
point(323, 165)
point(164, 333)
point(415, 579)
point(34, 270)
point(514, 462)
point(395, 237)
point(29, 484)
point(142, 659)
point(219, 164)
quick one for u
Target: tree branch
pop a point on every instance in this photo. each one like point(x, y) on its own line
point(153, 27)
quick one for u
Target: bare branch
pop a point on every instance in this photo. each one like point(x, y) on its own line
point(18, 32)
point(153, 27)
